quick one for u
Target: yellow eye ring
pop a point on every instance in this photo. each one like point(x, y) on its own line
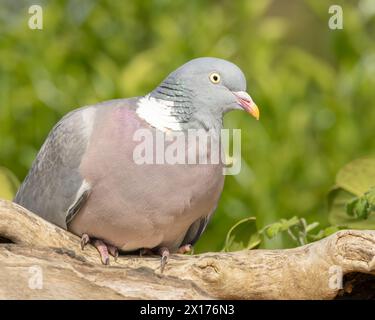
point(215, 77)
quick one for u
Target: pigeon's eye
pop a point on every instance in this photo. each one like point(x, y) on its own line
point(215, 77)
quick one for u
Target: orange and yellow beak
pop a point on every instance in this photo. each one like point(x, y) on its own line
point(245, 101)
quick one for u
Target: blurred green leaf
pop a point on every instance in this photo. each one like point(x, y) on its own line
point(274, 229)
point(325, 232)
point(361, 207)
point(8, 184)
point(357, 176)
point(353, 198)
point(243, 235)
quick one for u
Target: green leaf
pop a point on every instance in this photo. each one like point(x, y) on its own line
point(312, 226)
point(243, 235)
point(273, 229)
point(8, 184)
point(325, 232)
point(352, 200)
point(361, 207)
point(358, 176)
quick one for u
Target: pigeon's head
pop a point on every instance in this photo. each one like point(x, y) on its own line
point(201, 91)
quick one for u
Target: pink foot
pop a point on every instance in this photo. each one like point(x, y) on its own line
point(104, 249)
point(164, 252)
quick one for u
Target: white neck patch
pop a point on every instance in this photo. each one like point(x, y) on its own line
point(158, 113)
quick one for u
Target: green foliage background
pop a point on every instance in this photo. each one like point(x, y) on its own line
point(314, 86)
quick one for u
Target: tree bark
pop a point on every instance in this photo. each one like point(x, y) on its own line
point(42, 261)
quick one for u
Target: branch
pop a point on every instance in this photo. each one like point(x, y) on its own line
point(306, 272)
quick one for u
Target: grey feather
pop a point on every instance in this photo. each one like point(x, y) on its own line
point(196, 230)
point(50, 189)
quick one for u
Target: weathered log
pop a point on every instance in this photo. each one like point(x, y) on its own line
point(42, 261)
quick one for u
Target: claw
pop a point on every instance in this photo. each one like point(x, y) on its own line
point(186, 248)
point(85, 239)
point(164, 252)
point(103, 250)
point(113, 251)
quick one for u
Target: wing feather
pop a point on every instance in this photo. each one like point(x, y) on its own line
point(54, 187)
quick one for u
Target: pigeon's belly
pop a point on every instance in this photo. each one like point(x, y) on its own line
point(134, 205)
point(152, 209)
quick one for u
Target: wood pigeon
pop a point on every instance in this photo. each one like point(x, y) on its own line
point(85, 178)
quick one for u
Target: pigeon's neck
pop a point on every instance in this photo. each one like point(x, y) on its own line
point(174, 113)
point(204, 121)
point(159, 113)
